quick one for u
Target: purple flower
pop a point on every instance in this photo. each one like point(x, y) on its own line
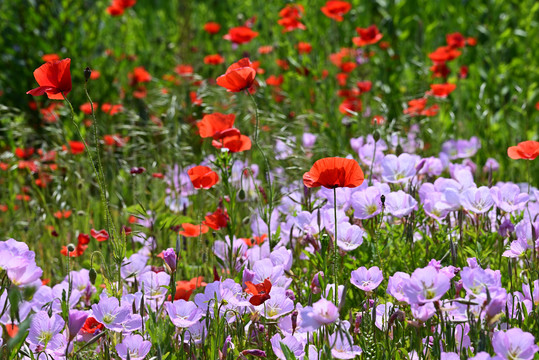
point(296, 347)
point(43, 328)
point(170, 258)
point(398, 169)
point(449, 356)
point(514, 344)
point(308, 140)
point(135, 346)
point(477, 200)
point(109, 312)
point(423, 312)
point(196, 333)
point(476, 280)
point(321, 313)
point(531, 295)
point(431, 166)
point(367, 280)
point(395, 286)
point(509, 198)
point(183, 313)
point(23, 272)
point(383, 312)
point(75, 322)
point(349, 237)
point(277, 305)
point(491, 165)
point(426, 285)
point(342, 346)
point(481, 356)
point(400, 204)
point(367, 203)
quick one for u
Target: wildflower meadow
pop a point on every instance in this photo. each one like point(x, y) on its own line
point(233, 180)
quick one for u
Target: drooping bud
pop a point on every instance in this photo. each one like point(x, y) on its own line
point(87, 73)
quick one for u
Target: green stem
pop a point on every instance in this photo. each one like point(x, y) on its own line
point(335, 280)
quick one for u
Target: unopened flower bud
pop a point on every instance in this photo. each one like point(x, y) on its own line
point(92, 275)
point(87, 73)
point(70, 247)
point(376, 135)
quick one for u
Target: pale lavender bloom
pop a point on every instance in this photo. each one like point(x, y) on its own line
point(227, 295)
point(13, 253)
point(481, 356)
point(491, 165)
point(476, 280)
point(283, 149)
point(133, 323)
point(321, 313)
point(477, 200)
point(367, 279)
point(282, 257)
point(356, 143)
point(75, 322)
point(329, 292)
point(56, 348)
point(308, 140)
point(109, 312)
point(396, 284)
point(400, 204)
point(135, 346)
point(43, 328)
point(524, 231)
point(221, 249)
point(509, 198)
point(264, 269)
point(134, 267)
point(456, 149)
point(461, 336)
point(154, 285)
point(196, 333)
point(367, 203)
point(426, 285)
point(431, 166)
point(532, 296)
point(259, 227)
point(349, 237)
point(434, 205)
point(295, 346)
point(383, 313)
point(183, 313)
point(449, 356)
point(81, 282)
point(367, 153)
point(514, 344)
point(23, 272)
point(57, 294)
point(170, 259)
point(313, 353)
point(498, 299)
point(398, 169)
point(279, 304)
point(342, 346)
point(516, 249)
point(423, 312)
point(307, 222)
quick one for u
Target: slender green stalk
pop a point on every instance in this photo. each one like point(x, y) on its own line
point(335, 279)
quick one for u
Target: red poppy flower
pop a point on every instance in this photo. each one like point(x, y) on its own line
point(79, 251)
point(101, 235)
point(217, 220)
point(463, 72)
point(266, 49)
point(87, 108)
point(50, 57)
point(76, 147)
point(240, 35)
point(54, 78)
point(367, 36)
point(203, 177)
point(455, 40)
point(191, 230)
point(290, 24)
point(441, 90)
point(212, 125)
point(334, 172)
point(275, 80)
point(256, 240)
point(418, 107)
point(212, 27)
point(95, 75)
point(292, 11)
point(184, 70)
point(335, 9)
point(260, 292)
point(348, 66)
point(91, 325)
point(139, 75)
point(527, 150)
point(440, 70)
point(11, 330)
point(350, 105)
point(304, 47)
point(185, 288)
point(214, 59)
point(111, 109)
point(83, 239)
point(443, 54)
point(24, 153)
point(115, 140)
point(238, 77)
point(234, 143)
point(378, 120)
point(118, 6)
point(364, 86)
point(65, 214)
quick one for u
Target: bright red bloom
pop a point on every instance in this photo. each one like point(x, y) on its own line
point(91, 325)
point(112, 109)
point(212, 27)
point(335, 9)
point(292, 11)
point(50, 57)
point(527, 150)
point(350, 104)
point(217, 220)
point(24, 153)
point(214, 59)
point(11, 330)
point(76, 147)
point(290, 24)
point(54, 78)
point(441, 90)
point(139, 75)
point(364, 86)
point(203, 177)
point(83, 239)
point(191, 230)
point(256, 240)
point(418, 107)
point(443, 54)
point(266, 49)
point(348, 66)
point(95, 75)
point(115, 140)
point(79, 250)
point(62, 214)
point(275, 80)
point(455, 40)
point(87, 108)
point(463, 72)
point(240, 35)
point(378, 120)
point(440, 70)
point(367, 36)
point(101, 235)
point(234, 143)
point(118, 6)
point(212, 125)
point(185, 288)
point(184, 70)
point(304, 47)
point(334, 172)
point(238, 77)
point(260, 292)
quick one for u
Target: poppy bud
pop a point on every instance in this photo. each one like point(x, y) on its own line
point(241, 195)
point(70, 247)
point(376, 135)
point(383, 199)
point(92, 275)
point(399, 149)
point(87, 73)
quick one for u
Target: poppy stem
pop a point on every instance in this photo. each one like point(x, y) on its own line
point(335, 280)
point(266, 171)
